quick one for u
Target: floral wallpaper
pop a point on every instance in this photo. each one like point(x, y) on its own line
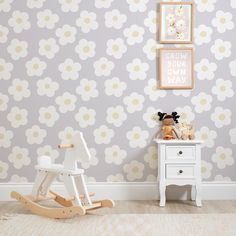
point(70, 65)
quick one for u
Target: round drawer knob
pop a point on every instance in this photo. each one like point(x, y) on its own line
point(180, 171)
point(180, 152)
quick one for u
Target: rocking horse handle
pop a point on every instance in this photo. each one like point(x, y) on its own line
point(65, 145)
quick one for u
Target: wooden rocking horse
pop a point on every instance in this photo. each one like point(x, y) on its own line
point(79, 201)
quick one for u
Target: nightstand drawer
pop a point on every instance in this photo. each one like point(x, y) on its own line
point(180, 171)
point(180, 152)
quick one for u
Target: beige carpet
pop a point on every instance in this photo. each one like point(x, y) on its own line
point(121, 224)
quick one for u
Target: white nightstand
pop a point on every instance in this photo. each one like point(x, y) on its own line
point(179, 163)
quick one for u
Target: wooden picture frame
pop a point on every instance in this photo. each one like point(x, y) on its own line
point(176, 22)
point(176, 68)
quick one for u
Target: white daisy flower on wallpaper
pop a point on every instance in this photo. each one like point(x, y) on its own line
point(103, 3)
point(47, 87)
point(151, 157)
point(232, 67)
point(19, 157)
point(134, 102)
point(85, 49)
point(114, 87)
point(223, 89)
point(3, 34)
point(17, 117)
point(186, 114)
point(222, 178)
point(232, 134)
point(66, 135)
point(205, 5)
point(223, 21)
point(85, 117)
point(66, 34)
point(221, 117)
point(114, 19)
point(69, 6)
point(137, 137)
point(35, 3)
point(19, 21)
point(87, 21)
point(3, 167)
point(103, 135)
point(151, 178)
point(206, 168)
point(35, 67)
point(47, 19)
point(137, 69)
point(66, 102)
point(19, 89)
point(205, 69)
point(184, 93)
point(139, 5)
point(207, 135)
point(148, 117)
point(47, 150)
point(5, 5)
point(48, 48)
point(5, 137)
point(17, 49)
point(202, 34)
point(223, 157)
point(103, 67)
point(134, 170)
point(69, 69)
point(87, 89)
point(92, 162)
point(5, 69)
point(115, 178)
point(153, 91)
point(18, 179)
point(115, 155)
point(116, 48)
point(134, 34)
point(48, 116)
point(151, 49)
point(4, 99)
point(201, 102)
point(116, 115)
point(221, 49)
point(35, 135)
point(152, 21)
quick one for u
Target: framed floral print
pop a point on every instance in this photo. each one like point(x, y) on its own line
point(176, 22)
point(176, 68)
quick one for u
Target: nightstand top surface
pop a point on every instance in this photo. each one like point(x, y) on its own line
point(179, 141)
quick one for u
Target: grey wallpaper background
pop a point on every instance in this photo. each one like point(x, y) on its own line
point(91, 66)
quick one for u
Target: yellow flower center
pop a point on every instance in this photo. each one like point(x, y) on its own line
point(18, 49)
point(86, 117)
point(221, 117)
point(18, 117)
point(47, 115)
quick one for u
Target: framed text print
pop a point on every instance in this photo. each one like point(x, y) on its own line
point(176, 22)
point(176, 68)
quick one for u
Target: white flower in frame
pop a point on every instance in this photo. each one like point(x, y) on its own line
point(66, 34)
point(186, 114)
point(35, 135)
point(3, 34)
point(223, 89)
point(18, 179)
point(35, 67)
point(223, 157)
point(206, 168)
point(35, 3)
point(171, 19)
point(134, 170)
point(17, 49)
point(205, 5)
point(222, 178)
point(202, 34)
point(85, 117)
point(223, 21)
point(92, 162)
point(116, 115)
point(69, 6)
point(148, 117)
point(179, 10)
point(66, 135)
point(5, 137)
point(48, 48)
point(69, 69)
point(47, 87)
point(47, 19)
point(116, 48)
point(180, 25)
point(115, 155)
point(19, 157)
point(115, 178)
point(103, 3)
point(134, 34)
point(114, 19)
point(3, 169)
point(151, 157)
point(134, 102)
point(47, 150)
point(184, 93)
point(221, 49)
point(103, 135)
point(137, 69)
point(48, 116)
point(151, 21)
point(232, 134)
point(87, 21)
point(137, 6)
point(151, 178)
point(5, 5)
point(205, 69)
point(66, 102)
point(4, 99)
point(153, 91)
point(103, 67)
point(202, 102)
point(19, 89)
point(221, 117)
point(207, 135)
point(151, 49)
point(19, 21)
point(5, 69)
point(17, 117)
point(87, 89)
point(232, 67)
point(137, 137)
point(85, 49)
point(114, 87)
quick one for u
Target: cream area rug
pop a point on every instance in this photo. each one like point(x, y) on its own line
point(121, 224)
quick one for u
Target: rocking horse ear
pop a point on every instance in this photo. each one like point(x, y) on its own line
point(175, 117)
point(161, 115)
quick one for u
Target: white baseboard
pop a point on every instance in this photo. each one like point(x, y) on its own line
point(134, 191)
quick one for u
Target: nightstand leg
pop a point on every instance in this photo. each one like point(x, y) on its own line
point(162, 190)
point(198, 195)
point(193, 192)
